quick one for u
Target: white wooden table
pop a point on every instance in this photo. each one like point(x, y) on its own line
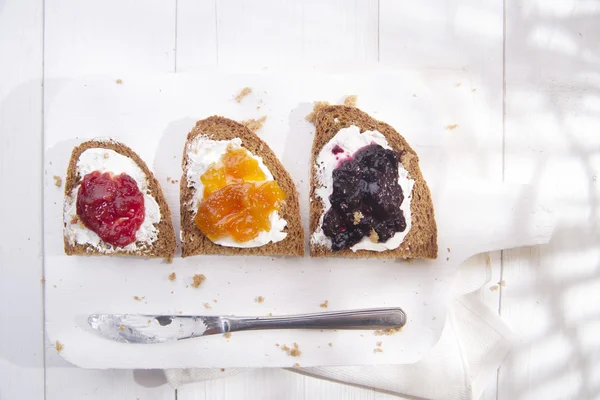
point(536, 65)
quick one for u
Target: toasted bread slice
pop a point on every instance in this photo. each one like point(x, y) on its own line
point(421, 240)
point(193, 242)
point(160, 240)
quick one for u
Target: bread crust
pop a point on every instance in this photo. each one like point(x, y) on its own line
point(165, 246)
point(193, 242)
point(421, 240)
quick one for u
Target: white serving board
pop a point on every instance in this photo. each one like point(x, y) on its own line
point(153, 113)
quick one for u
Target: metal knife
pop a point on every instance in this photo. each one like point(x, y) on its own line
point(135, 328)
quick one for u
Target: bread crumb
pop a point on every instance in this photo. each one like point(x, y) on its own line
point(378, 350)
point(59, 346)
point(458, 84)
point(172, 276)
point(137, 298)
point(448, 249)
point(318, 105)
point(259, 299)
point(358, 216)
point(121, 328)
point(297, 365)
point(254, 124)
point(414, 95)
point(387, 332)
point(74, 220)
point(43, 279)
point(243, 93)
point(379, 344)
point(295, 352)
point(408, 260)
point(222, 369)
point(451, 127)
point(374, 236)
point(325, 304)
point(106, 155)
point(119, 81)
point(168, 178)
point(330, 344)
point(350, 101)
point(207, 306)
point(488, 261)
point(214, 300)
point(493, 288)
point(57, 181)
point(179, 312)
point(285, 348)
point(227, 335)
point(502, 283)
point(277, 344)
point(198, 279)
point(270, 314)
point(474, 90)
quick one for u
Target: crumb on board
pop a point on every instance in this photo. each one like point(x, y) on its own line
point(277, 344)
point(408, 260)
point(285, 348)
point(214, 300)
point(254, 124)
point(414, 95)
point(106, 155)
point(318, 105)
point(243, 93)
point(119, 81)
point(138, 298)
point(448, 249)
point(295, 352)
point(222, 369)
point(451, 127)
point(350, 101)
point(458, 84)
point(374, 236)
point(378, 350)
point(59, 346)
point(168, 178)
point(259, 299)
point(502, 283)
point(493, 288)
point(474, 90)
point(207, 306)
point(330, 344)
point(227, 335)
point(57, 181)
point(387, 332)
point(43, 279)
point(297, 365)
point(198, 279)
point(358, 216)
point(179, 312)
point(379, 344)
point(270, 314)
point(325, 304)
point(172, 276)
point(121, 328)
point(174, 181)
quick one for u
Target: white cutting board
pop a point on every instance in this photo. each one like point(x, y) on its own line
point(153, 113)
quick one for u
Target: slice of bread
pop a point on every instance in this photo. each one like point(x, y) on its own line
point(193, 242)
point(421, 240)
point(165, 244)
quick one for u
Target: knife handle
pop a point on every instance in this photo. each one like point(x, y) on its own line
point(369, 319)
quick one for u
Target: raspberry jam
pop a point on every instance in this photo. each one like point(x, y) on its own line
point(112, 206)
point(366, 199)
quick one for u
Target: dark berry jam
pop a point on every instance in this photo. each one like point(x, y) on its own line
point(112, 206)
point(366, 199)
point(337, 149)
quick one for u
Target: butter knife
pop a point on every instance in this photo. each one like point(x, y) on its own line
point(136, 328)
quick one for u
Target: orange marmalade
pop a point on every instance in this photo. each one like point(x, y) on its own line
point(237, 200)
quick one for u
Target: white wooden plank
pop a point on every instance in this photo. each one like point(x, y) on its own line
point(196, 34)
point(21, 314)
point(308, 32)
point(552, 141)
point(97, 38)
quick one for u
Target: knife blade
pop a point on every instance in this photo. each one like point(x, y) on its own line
point(136, 328)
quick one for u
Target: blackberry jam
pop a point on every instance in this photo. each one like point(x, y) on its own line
point(366, 199)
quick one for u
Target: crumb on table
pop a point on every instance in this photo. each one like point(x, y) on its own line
point(297, 365)
point(121, 328)
point(243, 93)
point(318, 105)
point(59, 346)
point(448, 249)
point(259, 299)
point(379, 344)
point(378, 350)
point(119, 81)
point(222, 369)
point(294, 351)
point(172, 276)
point(138, 298)
point(387, 332)
point(493, 288)
point(43, 279)
point(198, 279)
point(502, 283)
point(325, 304)
point(227, 335)
point(254, 124)
point(57, 181)
point(458, 84)
point(350, 101)
point(207, 306)
point(451, 127)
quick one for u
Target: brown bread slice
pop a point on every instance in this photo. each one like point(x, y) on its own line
point(421, 241)
point(165, 246)
point(193, 242)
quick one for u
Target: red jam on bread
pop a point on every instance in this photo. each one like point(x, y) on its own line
point(112, 206)
point(237, 202)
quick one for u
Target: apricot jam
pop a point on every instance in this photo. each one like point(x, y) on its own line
point(112, 206)
point(237, 201)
